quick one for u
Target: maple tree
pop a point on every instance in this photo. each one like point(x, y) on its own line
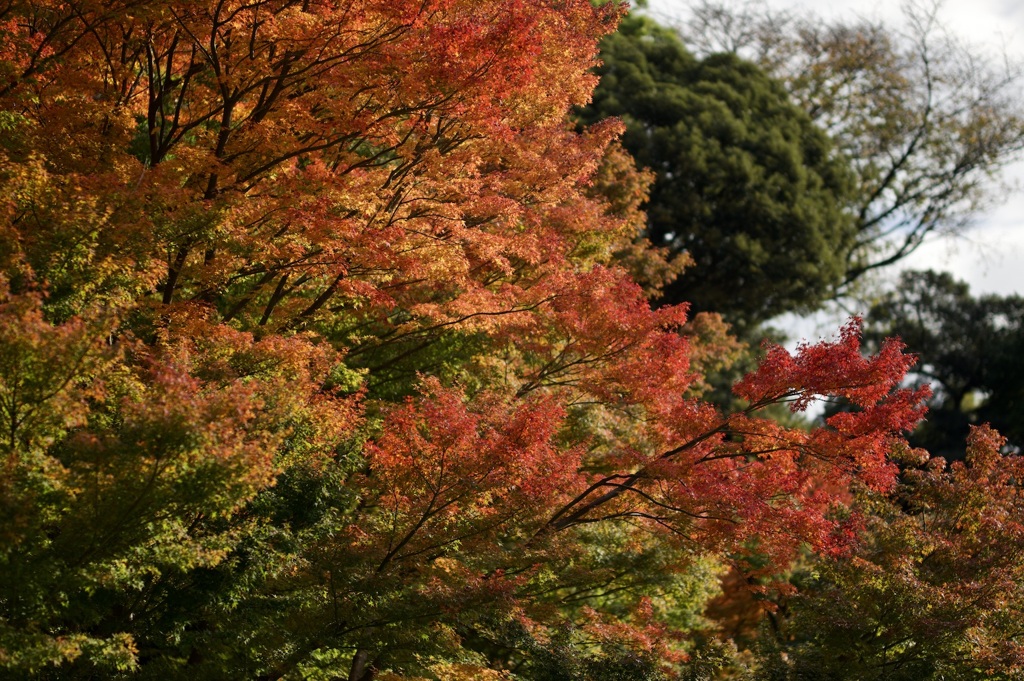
point(933, 592)
point(316, 361)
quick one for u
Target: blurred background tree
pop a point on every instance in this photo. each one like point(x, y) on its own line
point(745, 183)
point(926, 121)
point(970, 349)
point(794, 155)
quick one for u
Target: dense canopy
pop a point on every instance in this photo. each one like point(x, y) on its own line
point(317, 361)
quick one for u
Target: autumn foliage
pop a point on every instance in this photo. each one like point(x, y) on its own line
point(320, 358)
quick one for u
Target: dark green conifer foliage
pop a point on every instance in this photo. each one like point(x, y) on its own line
point(745, 183)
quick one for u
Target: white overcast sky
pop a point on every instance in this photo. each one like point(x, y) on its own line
point(990, 257)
